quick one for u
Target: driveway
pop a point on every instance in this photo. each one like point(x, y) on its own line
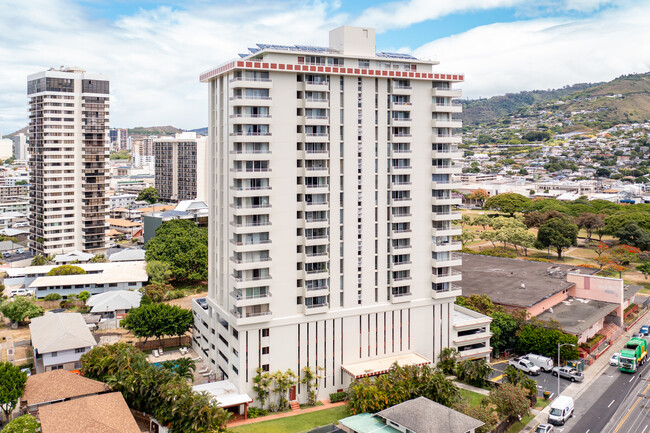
point(545, 381)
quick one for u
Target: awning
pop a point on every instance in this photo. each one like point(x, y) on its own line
point(375, 367)
point(225, 393)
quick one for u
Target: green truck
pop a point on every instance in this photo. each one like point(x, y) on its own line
point(633, 354)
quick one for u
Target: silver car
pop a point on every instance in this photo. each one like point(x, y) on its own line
point(568, 373)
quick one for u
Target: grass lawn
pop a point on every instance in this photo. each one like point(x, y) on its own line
point(297, 423)
point(519, 425)
point(474, 398)
point(541, 403)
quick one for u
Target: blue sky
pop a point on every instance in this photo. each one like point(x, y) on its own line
point(154, 51)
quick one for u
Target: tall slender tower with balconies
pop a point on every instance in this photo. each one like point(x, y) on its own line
point(68, 149)
point(331, 217)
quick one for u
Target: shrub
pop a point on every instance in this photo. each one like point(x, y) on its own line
point(498, 252)
point(66, 270)
point(335, 397)
point(175, 294)
point(255, 412)
point(546, 394)
point(52, 297)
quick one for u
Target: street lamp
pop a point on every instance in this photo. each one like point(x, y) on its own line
point(558, 364)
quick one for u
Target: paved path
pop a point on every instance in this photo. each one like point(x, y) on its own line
point(472, 388)
point(326, 405)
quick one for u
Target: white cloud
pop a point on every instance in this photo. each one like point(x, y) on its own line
point(153, 58)
point(546, 53)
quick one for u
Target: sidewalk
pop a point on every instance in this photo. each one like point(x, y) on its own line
point(575, 390)
point(326, 405)
point(471, 388)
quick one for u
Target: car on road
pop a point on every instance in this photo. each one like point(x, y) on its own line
point(544, 428)
point(561, 410)
point(525, 365)
point(637, 335)
point(568, 373)
point(645, 330)
point(614, 359)
point(20, 251)
point(6, 254)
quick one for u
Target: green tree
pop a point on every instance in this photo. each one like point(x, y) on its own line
point(121, 154)
point(590, 222)
point(262, 385)
point(483, 412)
point(515, 376)
point(52, 297)
point(159, 272)
point(509, 203)
point(473, 372)
point(521, 237)
point(632, 234)
point(184, 246)
point(483, 221)
point(466, 236)
point(311, 379)
point(40, 260)
point(150, 195)
point(448, 359)
point(644, 268)
point(510, 400)
point(66, 270)
point(283, 382)
point(12, 386)
point(84, 295)
point(156, 292)
point(23, 424)
point(504, 328)
point(544, 341)
point(158, 320)
point(559, 233)
point(99, 258)
point(20, 308)
point(183, 367)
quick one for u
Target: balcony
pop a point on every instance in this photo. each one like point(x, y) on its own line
point(447, 108)
point(316, 308)
point(397, 89)
point(447, 138)
point(250, 82)
point(451, 231)
point(398, 298)
point(241, 300)
point(451, 153)
point(454, 201)
point(250, 100)
point(401, 106)
point(446, 169)
point(453, 260)
point(446, 93)
point(443, 246)
point(244, 318)
point(450, 276)
point(436, 123)
point(452, 291)
point(317, 291)
point(444, 185)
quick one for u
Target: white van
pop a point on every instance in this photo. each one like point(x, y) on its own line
point(561, 410)
point(19, 292)
point(544, 363)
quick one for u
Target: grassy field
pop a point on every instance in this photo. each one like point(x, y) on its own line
point(474, 398)
point(519, 425)
point(295, 424)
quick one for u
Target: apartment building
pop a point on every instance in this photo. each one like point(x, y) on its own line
point(180, 163)
point(68, 149)
point(331, 216)
point(20, 146)
point(118, 138)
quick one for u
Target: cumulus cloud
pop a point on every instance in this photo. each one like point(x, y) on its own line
point(546, 53)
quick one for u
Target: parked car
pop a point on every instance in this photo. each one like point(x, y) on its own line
point(568, 373)
point(544, 428)
point(19, 292)
point(561, 409)
point(20, 251)
point(614, 360)
point(645, 330)
point(6, 254)
point(525, 365)
point(544, 363)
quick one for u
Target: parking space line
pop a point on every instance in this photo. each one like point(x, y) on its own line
point(497, 378)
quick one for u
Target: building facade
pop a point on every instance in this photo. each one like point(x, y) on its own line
point(68, 151)
point(119, 138)
point(179, 162)
point(20, 146)
point(331, 217)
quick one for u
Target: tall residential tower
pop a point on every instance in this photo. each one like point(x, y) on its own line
point(331, 216)
point(68, 149)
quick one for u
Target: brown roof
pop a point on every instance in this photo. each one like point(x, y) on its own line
point(59, 385)
point(103, 413)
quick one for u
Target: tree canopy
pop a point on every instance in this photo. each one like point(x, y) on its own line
point(12, 386)
point(40, 260)
point(150, 195)
point(20, 308)
point(23, 424)
point(509, 202)
point(184, 246)
point(159, 272)
point(158, 320)
point(558, 233)
point(66, 270)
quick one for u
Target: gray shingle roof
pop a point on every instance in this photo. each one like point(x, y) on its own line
point(55, 332)
point(422, 415)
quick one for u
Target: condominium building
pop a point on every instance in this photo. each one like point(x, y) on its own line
point(20, 146)
point(180, 163)
point(331, 216)
point(118, 138)
point(68, 149)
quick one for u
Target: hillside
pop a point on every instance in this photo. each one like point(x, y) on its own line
point(154, 130)
point(622, 100)
point(491, 109)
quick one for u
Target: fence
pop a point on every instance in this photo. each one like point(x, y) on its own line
point(164, 342)
point(49, 305)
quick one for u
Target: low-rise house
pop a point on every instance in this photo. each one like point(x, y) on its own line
point(73, 256)
point(114, 303)
point(102, 413)
point(59, 340)
point(127, 255)
point(55, 386)
point(124, 227)
point(419, 415)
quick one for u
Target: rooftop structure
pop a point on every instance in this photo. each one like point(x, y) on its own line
point(114, 301)
point(56, 386)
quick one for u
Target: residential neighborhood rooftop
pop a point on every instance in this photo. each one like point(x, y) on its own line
point(501, 279)
point(576, 315)
point(55, 332)
point(114, 300)
point(58, 385)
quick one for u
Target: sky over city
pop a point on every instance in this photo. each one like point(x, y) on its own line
point(153, 52)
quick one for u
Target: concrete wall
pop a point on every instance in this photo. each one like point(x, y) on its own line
point(547, 303)
point(598, 289)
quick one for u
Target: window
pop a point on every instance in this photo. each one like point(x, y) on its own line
point(53, 354)
point(265, 350)
point(80, 350)
point(265, 367)
point(265, 332)
point(112, 285)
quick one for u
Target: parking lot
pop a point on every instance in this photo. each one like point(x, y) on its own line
point(15, 257)
point(545, 381)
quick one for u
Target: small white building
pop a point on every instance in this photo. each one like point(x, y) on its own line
point(113, 303)
point(73, 256)
point(59, 340)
